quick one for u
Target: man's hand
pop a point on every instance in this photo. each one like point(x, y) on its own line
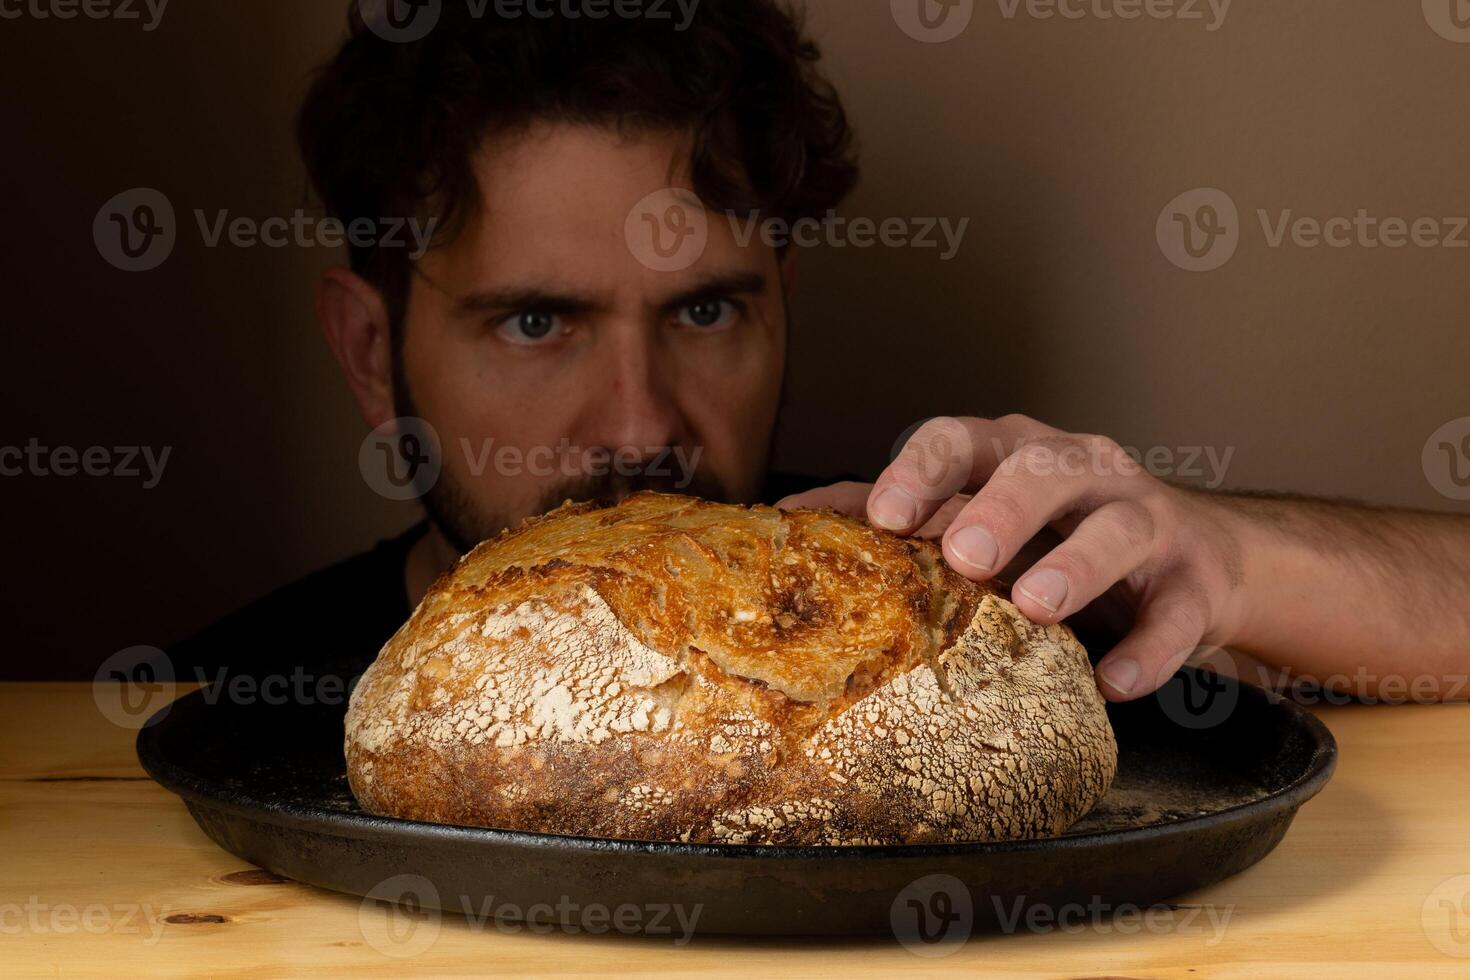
point(987, 487)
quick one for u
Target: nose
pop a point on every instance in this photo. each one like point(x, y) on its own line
point(635, 410)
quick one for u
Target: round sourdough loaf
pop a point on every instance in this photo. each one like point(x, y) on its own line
point(675, 670)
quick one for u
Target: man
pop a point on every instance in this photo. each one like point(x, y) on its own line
point(537, 320)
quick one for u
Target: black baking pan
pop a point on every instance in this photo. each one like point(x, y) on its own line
point(1211, 773)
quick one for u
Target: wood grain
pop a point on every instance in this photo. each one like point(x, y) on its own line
point(105, 874)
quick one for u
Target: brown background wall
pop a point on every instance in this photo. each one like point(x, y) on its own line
point(1325, 370)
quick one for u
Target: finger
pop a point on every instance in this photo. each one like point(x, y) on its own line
point(944, 457)
point(935, 527)
point(1043, 481)
point(1109, 544)
point(1170, 627)
point(845, 498)
point(1045, 541)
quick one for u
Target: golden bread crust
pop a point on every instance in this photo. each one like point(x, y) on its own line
point(674, 669)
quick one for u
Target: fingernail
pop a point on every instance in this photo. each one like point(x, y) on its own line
point(1046, 586)
point(976, 547)
point(894, 509)
point(1120, 675)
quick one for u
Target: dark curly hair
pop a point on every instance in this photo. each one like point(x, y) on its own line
point(389, 128)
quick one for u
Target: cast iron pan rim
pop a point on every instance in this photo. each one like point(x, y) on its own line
point(339, 824)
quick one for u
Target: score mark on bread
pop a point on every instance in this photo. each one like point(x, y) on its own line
point(673, 669)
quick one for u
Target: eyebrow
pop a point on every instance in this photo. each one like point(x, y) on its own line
point(564, 302)
point(734, 284)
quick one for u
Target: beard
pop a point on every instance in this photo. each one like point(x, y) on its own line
point(465, 521)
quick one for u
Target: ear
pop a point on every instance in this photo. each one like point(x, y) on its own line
point(788, 271)
point(354, 319)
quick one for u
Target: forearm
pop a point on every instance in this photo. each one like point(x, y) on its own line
point(1379, 595)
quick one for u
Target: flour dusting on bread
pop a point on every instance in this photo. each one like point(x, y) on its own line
point(672, 669)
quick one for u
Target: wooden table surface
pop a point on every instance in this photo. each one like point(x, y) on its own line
point(105, 874)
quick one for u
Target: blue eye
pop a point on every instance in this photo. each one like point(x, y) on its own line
point(530, 327)
point(708, 314)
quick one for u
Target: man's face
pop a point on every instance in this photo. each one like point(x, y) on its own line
point(555, 364)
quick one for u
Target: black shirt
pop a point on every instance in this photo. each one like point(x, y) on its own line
point(330, 625)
